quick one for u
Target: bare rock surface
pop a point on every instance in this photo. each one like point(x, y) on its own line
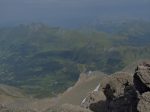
point(120, 94)
point(142, 77)
point(93, 97)
point(142, 84)
point(131, 67)
point(115, 94)
point(72, 108)
point(125, 92)
point(144, 103)
point(86, 83)
point(113, 86)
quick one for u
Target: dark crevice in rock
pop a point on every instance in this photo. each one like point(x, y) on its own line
point(139, 85)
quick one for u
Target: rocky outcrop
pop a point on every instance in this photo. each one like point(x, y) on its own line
point(144, 103)
point(124, 103)
point(120, 94)
point(115, 94)
point(86, 83)
point(113, 86)
point(142, 78)
point(93, 97)
point(124, 92)
point(142, 84)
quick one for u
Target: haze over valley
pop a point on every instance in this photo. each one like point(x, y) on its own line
point(70, 13)
point(74, 55)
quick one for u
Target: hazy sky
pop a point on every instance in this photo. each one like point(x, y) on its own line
point(69, 12)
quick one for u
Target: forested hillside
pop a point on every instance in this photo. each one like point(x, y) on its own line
point(44, 60)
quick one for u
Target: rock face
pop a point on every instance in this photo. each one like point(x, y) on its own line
point(93, 97)
point(142, 84)
point(142, 78)
point(120, 94)
point(114, 85)
point(86, 83)
point(123, 92)
point(144, 103)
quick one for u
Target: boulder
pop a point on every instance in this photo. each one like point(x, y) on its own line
point(144, 103)
point(120, 94)
point(113, 86)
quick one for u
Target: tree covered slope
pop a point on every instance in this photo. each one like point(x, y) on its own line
point(45, 61)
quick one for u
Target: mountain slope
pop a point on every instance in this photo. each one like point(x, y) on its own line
point(84, 85)
point(45, 61)
point(8, 94)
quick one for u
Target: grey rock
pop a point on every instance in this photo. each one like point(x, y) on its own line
point(142, 77)
point(113, 86)
point(72, 108)
point(93, 97)
point(120, 94)
point(124, 92)
point(144, 103)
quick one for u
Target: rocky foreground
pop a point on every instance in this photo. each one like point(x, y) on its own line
point(120, 92)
